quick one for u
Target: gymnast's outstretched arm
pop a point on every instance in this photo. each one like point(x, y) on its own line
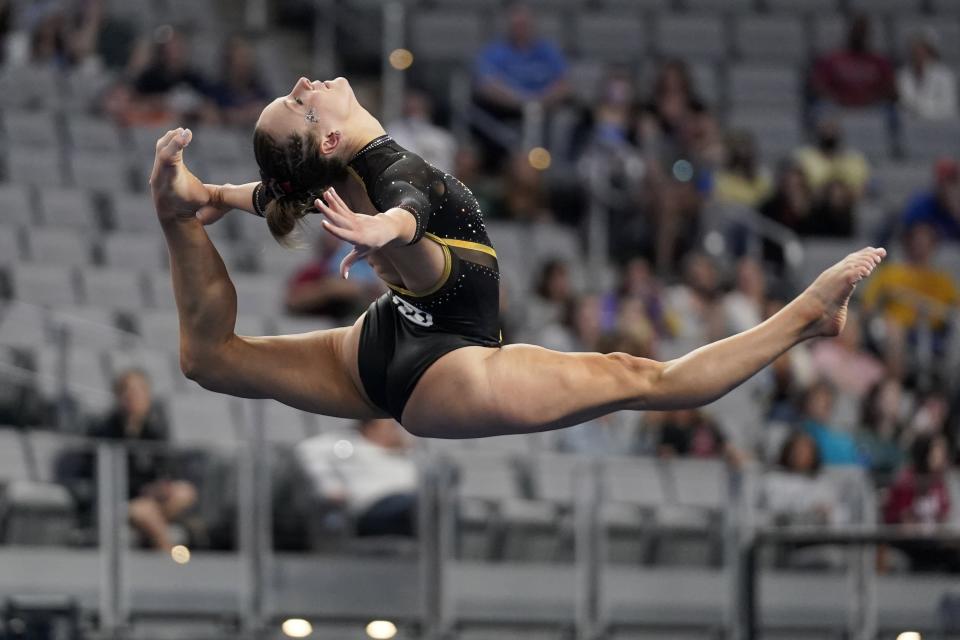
point(307, 371)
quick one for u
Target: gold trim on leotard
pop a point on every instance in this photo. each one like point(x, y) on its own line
point(447, 268)
point(466, 244)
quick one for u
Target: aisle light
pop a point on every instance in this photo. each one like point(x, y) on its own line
point(381, 630)
point(909, 635)
point(180, 554)
point(296, 628)
point(401, 59)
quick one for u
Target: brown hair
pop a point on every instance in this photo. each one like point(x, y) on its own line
point(298, 163)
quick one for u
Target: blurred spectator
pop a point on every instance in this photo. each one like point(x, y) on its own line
point(580, 328)
point(552, 293)
point(915, 299)
point(833, 211)
point(939, 206)
point(63, 34)
point(524, 192)
point(845, 363)
point(164, 86)
point(693, 304)
point(829, 160)
point(791, 373)
point(639, 285)
point(927, 87)
point(318, 289)
point(663, 117)
point(744, 306)
point(796, 492)
point(467, 165)
point(919, 497)
point(791, 205)
point(688, 433)
point(817, 410)
point(241, 93)
point(854, 76)
point(608, 123)
point(880, 436)
point(416, 132)
point(742, 180)
point(372, 476)
point(156, 499)
point(520, 67)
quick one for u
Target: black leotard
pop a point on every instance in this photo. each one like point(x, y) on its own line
point(405, 332)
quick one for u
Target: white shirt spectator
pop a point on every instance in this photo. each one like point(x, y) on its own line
point(432, 143)
point(932, 96)
point(356, 470)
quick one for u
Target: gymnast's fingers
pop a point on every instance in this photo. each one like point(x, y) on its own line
point(344, 234)
point(337, 200)
point(336, 217)
point(350, 259)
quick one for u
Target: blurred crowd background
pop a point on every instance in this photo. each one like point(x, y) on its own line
point(655, 175)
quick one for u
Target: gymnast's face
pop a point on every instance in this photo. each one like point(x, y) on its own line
point(318, 107)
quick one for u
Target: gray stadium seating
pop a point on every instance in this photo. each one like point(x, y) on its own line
point(551, 22)
point(29, 128)
point(257, 294)
point(35, 166)
point(91, 327)
point(896, 183)
point(755, 85)
point(43, 284)
point(203, 418)
point(283, 424)
point(801, 6)
point(160, 366)
point(16, 203)
point(133, 212)
point(134, 251)
point(926, 139)
point(68, 208)
point(830, 32)
point(777, 132)
point(87, 133)
point(691, 36)
point(11, 240)
point(946, 28)
point(113, 288)
point(13, 461)
point(30, 87)
point(100, 172)
point(726, 6)
point(945, 7)
point(88, 383)
point(446, 36)
point(160, 329)
point(610, 36)
point(770, 39)
point(57, 246)
point(867, 131)
point(899, 7)
point(22, 325)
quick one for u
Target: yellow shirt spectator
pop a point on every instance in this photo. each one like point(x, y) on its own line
point(736, 188)
point(849, 167)
point(902, 289)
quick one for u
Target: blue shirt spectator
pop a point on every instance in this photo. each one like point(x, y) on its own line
point(521, 66)
point(836, 446)
point(939, 207)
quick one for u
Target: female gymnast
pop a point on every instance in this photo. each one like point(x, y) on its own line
point(427, 352)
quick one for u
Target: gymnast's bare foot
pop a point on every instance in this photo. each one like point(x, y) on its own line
point(177, 193)
point(824, 303)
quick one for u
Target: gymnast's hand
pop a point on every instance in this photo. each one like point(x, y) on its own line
point(365, 233)
point(177, 193)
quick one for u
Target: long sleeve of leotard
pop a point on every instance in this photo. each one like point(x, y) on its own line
point(399, 187)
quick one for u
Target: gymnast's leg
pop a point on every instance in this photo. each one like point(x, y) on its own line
point(475, 392)
point(314, 371)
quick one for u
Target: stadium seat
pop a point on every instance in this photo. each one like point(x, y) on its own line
point(17, 204)
point(113, 288)
point(13, 461)
point(945, 7)
point(251, 325)
point(928, 139)
point(867, 131)
point(93, 134)
point(99, 172)
point(160, 366)
point(898, 7)
point(160, 329)
point(91, 327)
point(30, 128)
point(203, 419)
point(830, 33)
point(946, 28)
point(87, 382)
point(56, 246)
point(691, 36)
point(610, 36)
point(276, 261)
point(896, 183)
point(30, 86)
point(11, 241)
point(68, 208)
point(726, 6)
point(813, 7)
point(258, 295)
point(757, 85)
point(647, 6)
point(41, 450)
point(43, 284)
point(221, 144)
point(446, 35)
point(160, 288)
point(41, 166)
point(133, 212)
point(134, 251)
point(22, 325)
point(283, 424)
point(35, 513)
point(549, 17)
point(776, 132)
point(771, 39)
